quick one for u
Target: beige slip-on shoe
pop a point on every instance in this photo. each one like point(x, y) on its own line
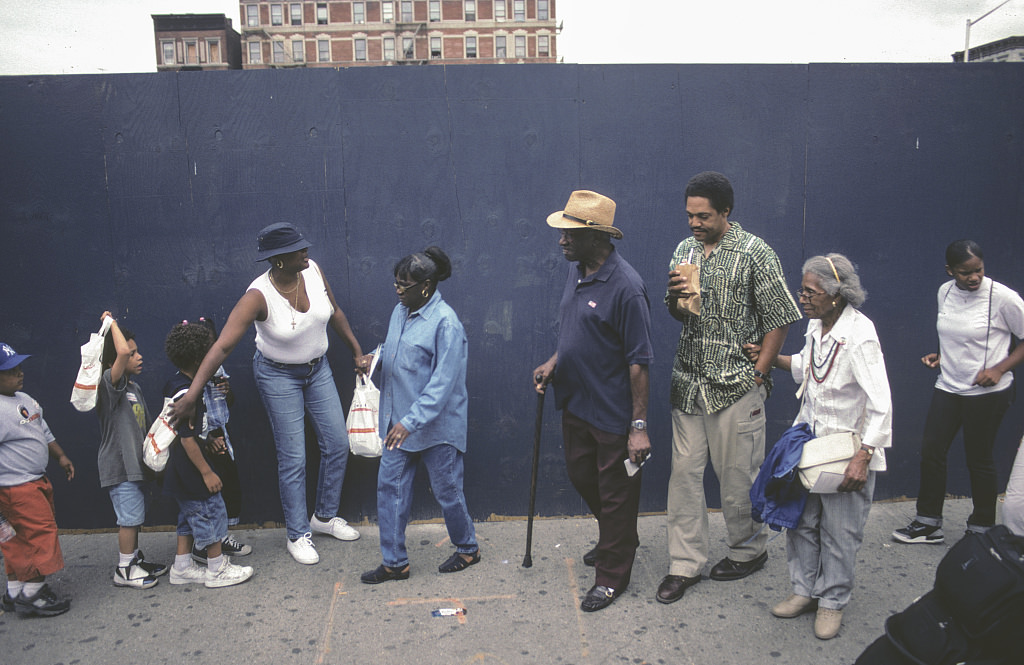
point(794, 606)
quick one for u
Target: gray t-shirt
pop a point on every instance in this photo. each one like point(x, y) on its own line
point(124, 421)
point(24, 438)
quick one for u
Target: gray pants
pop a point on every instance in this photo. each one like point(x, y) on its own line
point(1013, 508)
point(822, 549)
point(733, 439)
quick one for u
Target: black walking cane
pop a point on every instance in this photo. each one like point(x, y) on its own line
point(528, 559)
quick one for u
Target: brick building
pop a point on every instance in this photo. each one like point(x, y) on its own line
point(196, 42)
point(1010, 49)
point(348, 33)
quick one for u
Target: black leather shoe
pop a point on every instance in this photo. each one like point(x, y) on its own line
point(590, 558)
point(673, 587)
point(384, 574)
point(598, 598)
point(727, 570)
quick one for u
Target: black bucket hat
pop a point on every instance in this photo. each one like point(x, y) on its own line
point(280, 238)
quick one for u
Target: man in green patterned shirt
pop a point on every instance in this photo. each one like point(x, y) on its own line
point(717, 393)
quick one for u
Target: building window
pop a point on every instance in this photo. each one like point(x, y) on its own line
point(252, 15)
point(361, 50)
point(298, 51)
point(191, 52)
point(470, 10)
point(387, 10)
point(519, 10)
point(389, 49)
point(435, 10)
point(321, 13)
point(470, 47)
point(167, 50)
point(499, 10)
point(542, 10)
point(276, 15)
point(407, 11)
point(520, 46)
point(435, 47)
point(323, 50)
point(499, 46)
point(543, 50)
point(277, 48)
point(213, 50)
point(408, 48)
point(295, 10)
point(359, 12)
point(255, 54)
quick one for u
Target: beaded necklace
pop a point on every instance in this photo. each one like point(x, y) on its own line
point(829, 359)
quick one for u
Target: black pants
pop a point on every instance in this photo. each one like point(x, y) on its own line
point(979, 416)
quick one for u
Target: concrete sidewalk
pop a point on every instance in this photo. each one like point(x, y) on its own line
point(288, 613)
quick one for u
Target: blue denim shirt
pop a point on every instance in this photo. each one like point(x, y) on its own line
point(424, 376)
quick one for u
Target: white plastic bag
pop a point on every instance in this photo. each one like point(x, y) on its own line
point(83, 395)
point(156, 447)
point(363, 436)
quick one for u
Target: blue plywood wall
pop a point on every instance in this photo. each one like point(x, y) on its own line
point(143, 194)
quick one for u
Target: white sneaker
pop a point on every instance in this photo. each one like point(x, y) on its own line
point(228, 575)
point(335, 526)
point(133, 576)
point(192, 575)
point(302, 550)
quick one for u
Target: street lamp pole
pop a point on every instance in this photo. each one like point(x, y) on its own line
point(967, 40)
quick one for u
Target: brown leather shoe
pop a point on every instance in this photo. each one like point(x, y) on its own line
point(673, 587)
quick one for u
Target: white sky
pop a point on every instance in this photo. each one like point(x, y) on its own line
point(97, 36)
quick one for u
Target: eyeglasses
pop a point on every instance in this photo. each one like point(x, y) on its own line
point(807, 293)
point(402, 288)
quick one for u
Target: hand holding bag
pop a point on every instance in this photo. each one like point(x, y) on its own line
point(83, 395)
point(156, 447)
point(362, 422)
point(825, 459)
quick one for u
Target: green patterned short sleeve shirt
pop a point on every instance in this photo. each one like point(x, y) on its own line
point(743, 296)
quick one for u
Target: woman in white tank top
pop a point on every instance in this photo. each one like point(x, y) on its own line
point(291, 306)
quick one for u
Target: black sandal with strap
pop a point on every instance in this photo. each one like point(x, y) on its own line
point(455, 562)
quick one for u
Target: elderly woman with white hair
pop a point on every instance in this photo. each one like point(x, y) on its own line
point(844, 389)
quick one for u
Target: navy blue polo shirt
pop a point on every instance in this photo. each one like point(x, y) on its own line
point(605, 327)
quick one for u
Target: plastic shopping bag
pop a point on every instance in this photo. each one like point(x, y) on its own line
point(156, 447)
point(363, 437)
point(83, 395)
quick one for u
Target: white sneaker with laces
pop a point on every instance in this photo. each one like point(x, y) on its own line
point(335, 526)
point(228, 575)
point(192, 575)
point(302, 550)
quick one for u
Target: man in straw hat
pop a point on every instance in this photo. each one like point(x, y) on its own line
point(717, 393)
point(600, 376)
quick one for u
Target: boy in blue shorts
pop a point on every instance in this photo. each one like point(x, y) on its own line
point(190, 479)
point(124, 421)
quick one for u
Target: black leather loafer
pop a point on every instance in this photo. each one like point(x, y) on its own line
point(384, 574)
point(727, 570)
point(598, 598)
point(673, 587)
point(590, 558)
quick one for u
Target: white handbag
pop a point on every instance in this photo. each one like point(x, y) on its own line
point(824, 461)
point(362, 422)
point(83, 395)
point(156, 447)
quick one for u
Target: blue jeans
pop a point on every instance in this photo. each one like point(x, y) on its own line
point(394, 499)
point(289, 392)
point(206, 520)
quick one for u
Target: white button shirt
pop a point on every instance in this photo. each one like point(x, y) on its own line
point(848, 389)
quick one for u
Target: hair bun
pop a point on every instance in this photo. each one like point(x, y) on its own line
point(441, 260)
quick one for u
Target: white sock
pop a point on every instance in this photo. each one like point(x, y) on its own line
point(214, 563)
point(32, 588)
point(14, 588)
point(182, 561)
point(124, 559)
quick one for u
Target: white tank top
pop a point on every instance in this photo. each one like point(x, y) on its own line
point(275, 337)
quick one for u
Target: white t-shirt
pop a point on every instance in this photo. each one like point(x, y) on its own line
point(276, 338)
point(970, 339)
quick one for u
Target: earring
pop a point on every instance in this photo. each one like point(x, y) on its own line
point(833, 303)
point(424, 292)
point(279, 264)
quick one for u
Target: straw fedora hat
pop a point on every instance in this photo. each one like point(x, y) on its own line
point(586, 210)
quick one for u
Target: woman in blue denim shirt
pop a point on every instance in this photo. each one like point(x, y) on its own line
point(423, 406)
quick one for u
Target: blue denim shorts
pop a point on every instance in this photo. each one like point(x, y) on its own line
point(129, 499)
point(205, 520)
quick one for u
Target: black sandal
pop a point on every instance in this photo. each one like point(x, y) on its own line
point(384, 574)
point(455, 562)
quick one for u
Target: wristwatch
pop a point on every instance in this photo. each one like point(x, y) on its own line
point(758, 374)
point(639, 425)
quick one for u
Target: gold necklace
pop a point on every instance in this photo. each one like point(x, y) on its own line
point(295, 290)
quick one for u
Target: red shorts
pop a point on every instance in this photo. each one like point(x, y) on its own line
point(35, 550)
